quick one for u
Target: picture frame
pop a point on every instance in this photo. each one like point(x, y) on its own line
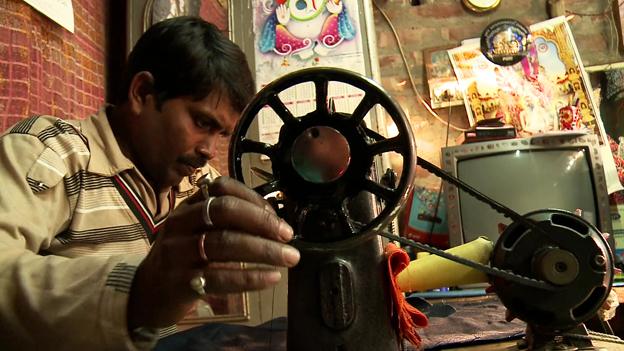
point(546, 92)
point(213, 307)
point(141, 15)
point(444, 89)
point(217, 308)
point(213, 11)
point(424, 218)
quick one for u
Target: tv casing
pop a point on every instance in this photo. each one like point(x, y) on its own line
point(589, 142)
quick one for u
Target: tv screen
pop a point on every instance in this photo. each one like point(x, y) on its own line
point(525, 180)
point(525, 175)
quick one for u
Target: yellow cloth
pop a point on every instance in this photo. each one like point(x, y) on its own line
point(433, 272)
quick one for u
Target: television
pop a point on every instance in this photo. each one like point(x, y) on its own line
point(525, 174)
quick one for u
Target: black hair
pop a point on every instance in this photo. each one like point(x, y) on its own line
point(188, 56)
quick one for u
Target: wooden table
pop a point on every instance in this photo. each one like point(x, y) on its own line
point(511, 346)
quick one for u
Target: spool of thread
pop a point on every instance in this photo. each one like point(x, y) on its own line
point(433, 272)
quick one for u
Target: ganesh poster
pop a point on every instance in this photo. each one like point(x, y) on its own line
point(295, 34)
point(547, 91)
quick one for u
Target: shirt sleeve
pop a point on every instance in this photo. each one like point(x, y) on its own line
point(49, 301)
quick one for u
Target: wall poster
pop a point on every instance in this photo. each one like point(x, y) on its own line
point(293, 34)
point(548, 91)
point(444, 89)
point(60, 11)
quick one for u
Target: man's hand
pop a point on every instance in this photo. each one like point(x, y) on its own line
point(244, 229)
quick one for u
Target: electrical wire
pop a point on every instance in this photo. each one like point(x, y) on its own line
point(437, 205)
point(613, 31)
point(609, 14)
point(409, 73)
point(598, 14)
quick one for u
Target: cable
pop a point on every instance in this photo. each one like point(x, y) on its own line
point(437, 205)
point(409, 73)
point(609, 14)
point(607, 10)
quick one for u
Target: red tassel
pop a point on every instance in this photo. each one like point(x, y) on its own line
point(408, 317)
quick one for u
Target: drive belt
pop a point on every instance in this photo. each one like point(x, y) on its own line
point(505, 211)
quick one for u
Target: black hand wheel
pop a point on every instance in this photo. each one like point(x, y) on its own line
point(324, 159)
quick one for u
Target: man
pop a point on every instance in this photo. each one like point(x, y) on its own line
point(83, 202)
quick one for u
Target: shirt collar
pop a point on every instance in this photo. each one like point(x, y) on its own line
point(106, 156)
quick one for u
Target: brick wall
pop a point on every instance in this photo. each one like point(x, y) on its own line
point(446, 22)
point(45, 69)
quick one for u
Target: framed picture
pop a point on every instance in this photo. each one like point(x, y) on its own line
point(424, 217)
point(444, 89)
point(218, 308)
point(213, 308)
point(140, 15)
point(213, 11)
point(548, 91)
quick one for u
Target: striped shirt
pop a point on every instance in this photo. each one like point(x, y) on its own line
point(67, 191)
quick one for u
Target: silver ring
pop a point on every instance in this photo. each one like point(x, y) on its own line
point(197, 284)
point(206, 213)
point(202, 248)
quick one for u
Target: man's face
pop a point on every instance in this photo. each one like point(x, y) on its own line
point(182, 136)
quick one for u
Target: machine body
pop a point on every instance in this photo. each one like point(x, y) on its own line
point(323, 172)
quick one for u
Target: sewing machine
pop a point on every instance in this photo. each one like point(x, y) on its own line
point(550, 268)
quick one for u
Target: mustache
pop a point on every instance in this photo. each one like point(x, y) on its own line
point(195, 162)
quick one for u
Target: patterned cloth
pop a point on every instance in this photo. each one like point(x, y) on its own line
point(76, 218)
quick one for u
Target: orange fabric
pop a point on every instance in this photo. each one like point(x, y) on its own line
point(408, 317)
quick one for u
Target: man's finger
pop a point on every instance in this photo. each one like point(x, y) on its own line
point(229, 186)
point(233, 246)
point(229, 212)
